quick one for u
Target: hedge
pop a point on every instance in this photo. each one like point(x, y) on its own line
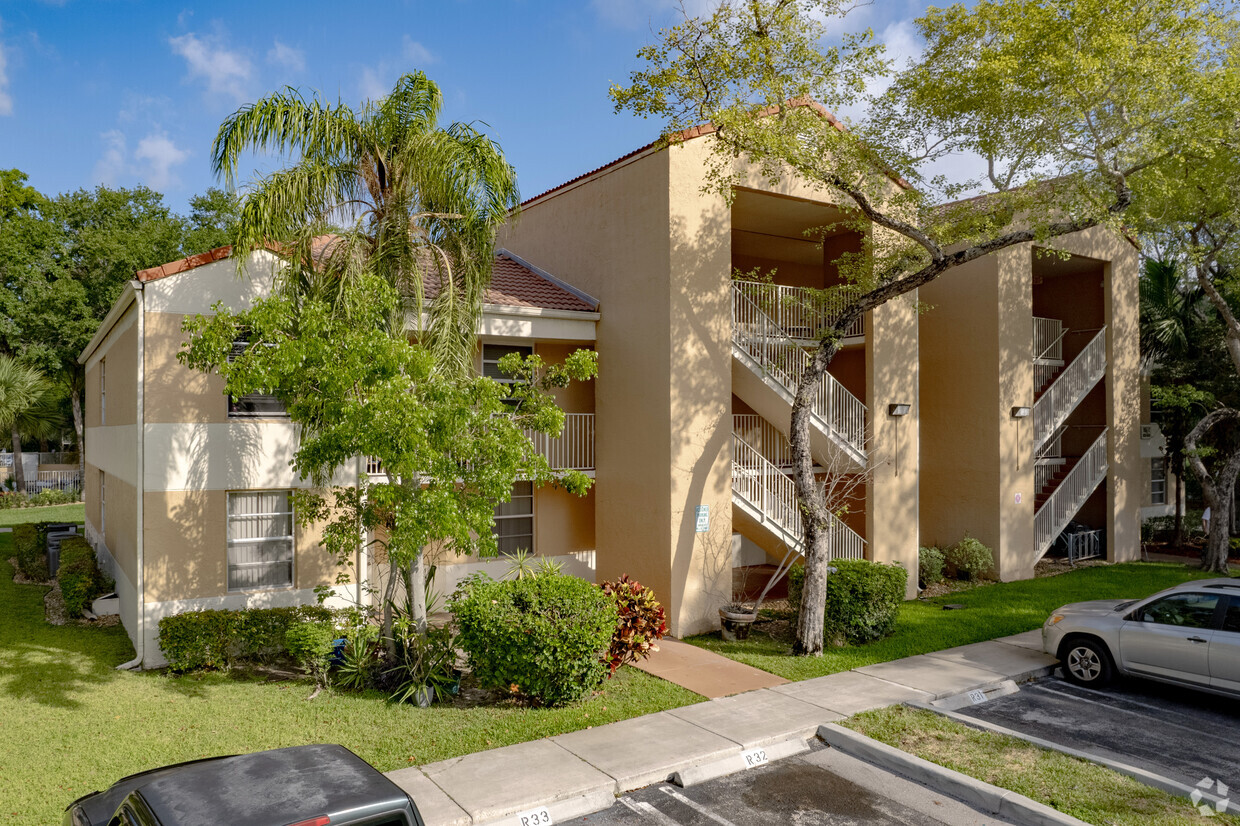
point(863, 599)
point(543, 636)
point(222, 639)
point(30, 551)
point(79, 576)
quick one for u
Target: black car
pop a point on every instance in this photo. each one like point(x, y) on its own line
point(323, 785)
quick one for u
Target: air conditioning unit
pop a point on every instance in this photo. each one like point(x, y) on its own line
point(1147, 431)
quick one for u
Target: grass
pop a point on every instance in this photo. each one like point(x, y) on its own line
point(70, 723)
point(1093, 793)
point(75, 512)
point(989, 611)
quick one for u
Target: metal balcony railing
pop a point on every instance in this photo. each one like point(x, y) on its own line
point(1070, 495)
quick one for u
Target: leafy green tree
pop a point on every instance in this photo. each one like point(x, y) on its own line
point(212, 220)
point(1071, 109)
point(405, 198)
point(27, 406)
point(451, 445)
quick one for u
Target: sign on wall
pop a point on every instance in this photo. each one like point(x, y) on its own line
point(703, 518)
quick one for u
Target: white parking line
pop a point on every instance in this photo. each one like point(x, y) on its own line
point(1162, 720)
point(697, 807)
point(646, 810)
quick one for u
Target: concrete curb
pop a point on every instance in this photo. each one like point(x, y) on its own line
point(1140, 775)
point(736, 763)
point(1002, 802)
point(560, 811)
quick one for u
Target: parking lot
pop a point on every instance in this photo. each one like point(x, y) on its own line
point(1175, 732)
point(822, 788)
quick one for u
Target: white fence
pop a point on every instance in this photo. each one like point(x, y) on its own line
point(772, 493)
point(574, 449)
point(786, 361)
point(63, 480)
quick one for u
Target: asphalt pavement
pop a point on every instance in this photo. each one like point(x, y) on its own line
point(822, 788)
point(1178, 733)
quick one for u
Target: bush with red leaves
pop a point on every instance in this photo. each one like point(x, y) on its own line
point(641, 625)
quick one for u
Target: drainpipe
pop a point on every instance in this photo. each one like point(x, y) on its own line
point(140, 585)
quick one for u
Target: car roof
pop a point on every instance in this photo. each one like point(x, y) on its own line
point(271, 788)
point(1223, 583)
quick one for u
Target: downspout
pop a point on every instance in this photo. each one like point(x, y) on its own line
point(140, 585)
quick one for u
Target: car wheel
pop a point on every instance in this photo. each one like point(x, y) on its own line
point(1086, 662)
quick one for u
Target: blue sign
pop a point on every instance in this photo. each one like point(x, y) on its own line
point(703, 518)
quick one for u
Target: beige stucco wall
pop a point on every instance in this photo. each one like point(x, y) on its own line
point(578, 397)
point(186, 552)
point(121, 518)
point(175, 392)
point(120, 349)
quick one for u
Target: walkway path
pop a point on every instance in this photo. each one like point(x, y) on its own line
point(581, 772)
point(705, 672)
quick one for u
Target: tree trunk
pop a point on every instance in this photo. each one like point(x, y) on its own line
point(1178, 469)
point(79, 427)
point(1217, 488)
point(417, 592)
point(389, 593)
point(19, 473)
point(815, 517)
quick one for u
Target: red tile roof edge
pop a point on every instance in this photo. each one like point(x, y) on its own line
point(546, 276)
point(706, 129)
point(183, 264)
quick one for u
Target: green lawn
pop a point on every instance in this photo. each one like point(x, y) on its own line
point(70, 723)
point(52, 513)
point(1087, 791)
point(989, 611)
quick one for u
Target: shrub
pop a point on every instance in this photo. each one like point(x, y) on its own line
point(930, 562)
point(310, 645)
point(541, 636)
point(970, 559)
point(641, 623)
point(78, 575)
point(30, 551)
point(863, 599)
point(222, 639)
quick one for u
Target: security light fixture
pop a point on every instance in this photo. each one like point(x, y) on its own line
point(1021, 412)
point(897, 409)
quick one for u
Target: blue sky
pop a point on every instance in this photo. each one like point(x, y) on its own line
point(121, 92)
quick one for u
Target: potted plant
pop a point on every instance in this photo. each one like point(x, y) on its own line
point(735, 620)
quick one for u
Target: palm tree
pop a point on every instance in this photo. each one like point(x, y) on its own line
point(1173, 311)
point(403, 197)
point(27, 407)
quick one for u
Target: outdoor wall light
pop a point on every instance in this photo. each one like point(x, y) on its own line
point(1021, 412)
point(897, 409)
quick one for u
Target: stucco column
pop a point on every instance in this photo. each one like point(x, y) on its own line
point(1014, 546)
point(1123, 404)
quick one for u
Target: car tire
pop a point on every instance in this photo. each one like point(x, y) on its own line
point(1086, 662)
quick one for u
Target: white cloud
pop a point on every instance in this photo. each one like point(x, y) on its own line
point(639, 14)
point(286, 56)
point(372, 86)
point(152, 162)
point(225, 72)
point(415, 51)
point(159, 155)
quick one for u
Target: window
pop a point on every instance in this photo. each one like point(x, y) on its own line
point(514, 520)
point(103, 395)
point(103, 507)
point(260, 539)
point(1182, 610)
point(1231, 620)
point(253, 405)
point(492, 353)
point(1158, 481)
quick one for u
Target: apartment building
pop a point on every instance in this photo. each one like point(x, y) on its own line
point(1009, 410)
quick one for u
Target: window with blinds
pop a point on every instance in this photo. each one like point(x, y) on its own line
point(1158, 481)
point(260, 539)
point(253, 405)
point(514, 520)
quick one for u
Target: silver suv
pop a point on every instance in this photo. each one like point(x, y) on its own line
point(1187, 635)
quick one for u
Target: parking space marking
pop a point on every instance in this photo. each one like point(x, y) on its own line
point(697, 807)
point(1162, 721)
point(646, 810)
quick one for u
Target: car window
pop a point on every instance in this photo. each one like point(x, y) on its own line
point(1183, 610)
point(1231, 620)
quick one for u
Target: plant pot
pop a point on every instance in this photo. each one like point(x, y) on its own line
point(734, 625)
point(424, 696)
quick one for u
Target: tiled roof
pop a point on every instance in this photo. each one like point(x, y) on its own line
point(514, 282)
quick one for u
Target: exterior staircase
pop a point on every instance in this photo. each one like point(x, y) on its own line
point(767, 495)
point(1063, 487)
point(767, 364)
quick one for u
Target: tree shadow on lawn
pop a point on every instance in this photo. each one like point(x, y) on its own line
point(48, 664)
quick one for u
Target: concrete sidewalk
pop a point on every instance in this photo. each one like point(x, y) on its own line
point(581, 772)
point(705, 672)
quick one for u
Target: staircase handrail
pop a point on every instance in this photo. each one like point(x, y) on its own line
point(800, 308)
point(772, 493)
point(785, 361)
point(1070, 494)
point(1052, 408)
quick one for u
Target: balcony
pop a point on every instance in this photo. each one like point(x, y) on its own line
point(801, 313)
